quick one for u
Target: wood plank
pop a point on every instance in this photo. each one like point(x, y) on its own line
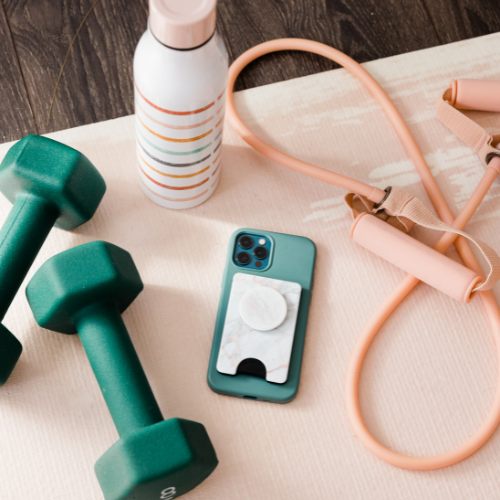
point(16, 118)
point(96, 82)
point(366, 30)
point(458, 20)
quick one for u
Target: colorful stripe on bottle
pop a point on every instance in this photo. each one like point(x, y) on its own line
point(179, 157)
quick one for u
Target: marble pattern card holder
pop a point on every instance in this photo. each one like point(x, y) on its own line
point(260, 325)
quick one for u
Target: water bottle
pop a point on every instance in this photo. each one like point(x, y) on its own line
point(180, 72)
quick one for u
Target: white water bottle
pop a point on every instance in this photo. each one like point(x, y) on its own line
point(180, 72)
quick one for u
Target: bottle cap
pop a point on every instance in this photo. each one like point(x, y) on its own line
point(182, 24)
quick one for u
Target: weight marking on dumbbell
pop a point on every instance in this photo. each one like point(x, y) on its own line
point(168, 493)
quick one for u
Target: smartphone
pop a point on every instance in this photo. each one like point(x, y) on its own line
point(262, 317)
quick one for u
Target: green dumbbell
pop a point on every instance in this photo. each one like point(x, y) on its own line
point(49, 184)
point(84, 290)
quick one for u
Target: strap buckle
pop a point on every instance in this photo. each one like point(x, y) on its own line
point(377, 207)
point(487, 151)
point(359, 204)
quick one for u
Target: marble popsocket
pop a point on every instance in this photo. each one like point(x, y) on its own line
point(260, 324)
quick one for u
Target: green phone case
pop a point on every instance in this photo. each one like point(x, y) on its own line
point(293, 259)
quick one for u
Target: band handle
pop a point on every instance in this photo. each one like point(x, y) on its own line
point(403, 210)
point(402, 204)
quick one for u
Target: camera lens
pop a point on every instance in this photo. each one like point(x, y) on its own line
point(260, 253)
point(243, 258)
point(246, 242)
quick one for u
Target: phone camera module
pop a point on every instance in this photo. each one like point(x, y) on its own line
point(245, 242)
point(261, 253)
point(243, 258)
point(252, 251)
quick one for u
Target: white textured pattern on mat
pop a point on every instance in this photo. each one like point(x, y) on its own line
point(428, 381)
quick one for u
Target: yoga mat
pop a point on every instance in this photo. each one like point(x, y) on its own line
point(429, 379)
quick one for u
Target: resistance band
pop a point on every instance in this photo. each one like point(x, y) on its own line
point(391, 213)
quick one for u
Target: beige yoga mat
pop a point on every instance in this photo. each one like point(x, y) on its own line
point(429, 379)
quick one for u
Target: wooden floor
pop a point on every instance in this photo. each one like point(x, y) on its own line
point(68, 62)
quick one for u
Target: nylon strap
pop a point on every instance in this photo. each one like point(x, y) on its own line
point(467, 130)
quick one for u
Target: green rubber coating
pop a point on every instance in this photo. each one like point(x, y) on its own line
point(84, 290)
point(10, 350)
point(58, 173)
point(21, 238)
point(84, 276)
point(49, 184)
point(117, 369)
point(172, 456)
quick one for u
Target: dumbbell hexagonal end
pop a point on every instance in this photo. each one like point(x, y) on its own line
point(10, 350)
point(86, 275)
point(165, 460)
point(59, 173)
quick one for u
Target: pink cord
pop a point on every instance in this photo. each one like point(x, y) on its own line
point(374, 194)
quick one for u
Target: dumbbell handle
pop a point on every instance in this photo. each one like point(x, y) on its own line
point(117, 369)
point(21, 237)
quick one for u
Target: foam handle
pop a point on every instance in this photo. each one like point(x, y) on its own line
point(414, 257)
point(481, 95)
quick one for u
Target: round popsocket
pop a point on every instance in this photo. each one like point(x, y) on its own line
point(263, 308)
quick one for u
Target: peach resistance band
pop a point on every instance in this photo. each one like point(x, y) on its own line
point(391, 213)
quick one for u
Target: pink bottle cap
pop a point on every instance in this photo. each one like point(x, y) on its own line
point(182, 24)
